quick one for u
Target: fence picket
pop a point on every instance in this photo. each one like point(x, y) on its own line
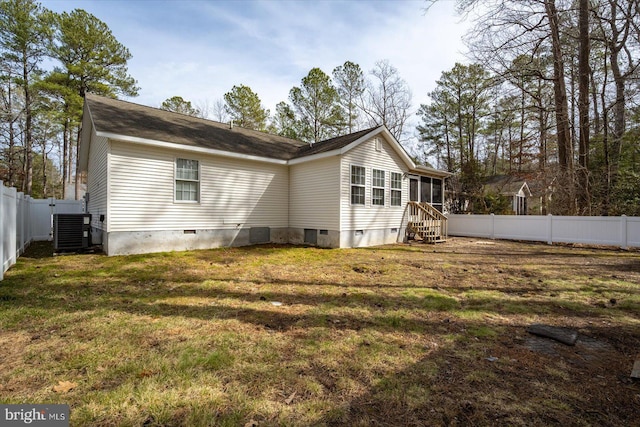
point(24, 220)
point(622, 231)
point(2, 232)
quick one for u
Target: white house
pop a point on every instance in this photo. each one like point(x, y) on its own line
point(515, 188)
point(160, 181)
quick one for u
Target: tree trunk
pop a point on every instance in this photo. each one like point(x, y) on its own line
point(450, 161)
point(460, 133)
point(78, 181)
point(618, 116)
point(605, 146)
point(522, 120)
point(28, 179)
point(565, 152)
point(11, 166)
point(65, 158)
point(583, 108)
point(617, 42)
point(594, 99)
point(511, 156)
point(542, 122)
point(44, 173)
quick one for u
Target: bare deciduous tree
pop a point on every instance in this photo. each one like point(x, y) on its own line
point(387, 99)
point(219, 111)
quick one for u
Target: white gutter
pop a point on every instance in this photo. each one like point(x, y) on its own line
point(183, 147)
point(431, 171)
point(314, 157)
point(195, 149)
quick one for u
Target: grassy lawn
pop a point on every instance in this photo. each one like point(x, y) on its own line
point(279, 335)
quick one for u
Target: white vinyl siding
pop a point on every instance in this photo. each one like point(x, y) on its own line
point(396, 189)
point(315, 194)
point(234, 193)
point(358, 180)
point(369, 216)
point(377, 188)
point(97, 180)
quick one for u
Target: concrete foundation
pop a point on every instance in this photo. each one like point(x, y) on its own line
point(139, 242)
point(324, 238)
point(371, 237)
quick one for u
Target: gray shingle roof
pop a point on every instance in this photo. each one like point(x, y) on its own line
point(129, 119)
point(505, 184)
point(333, 143)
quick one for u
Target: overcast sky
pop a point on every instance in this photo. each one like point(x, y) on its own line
point(200, 49)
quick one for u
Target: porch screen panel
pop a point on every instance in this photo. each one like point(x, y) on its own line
point(425, 189)
point(413, 190)
point(437, 193)
point(437, 190)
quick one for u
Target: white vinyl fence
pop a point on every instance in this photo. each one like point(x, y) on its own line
point(23, 220)
point(621, 231)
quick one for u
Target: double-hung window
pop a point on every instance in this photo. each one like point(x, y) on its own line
point(357, 185)
point(187, 180)
point(377, 188)
point(396, 189)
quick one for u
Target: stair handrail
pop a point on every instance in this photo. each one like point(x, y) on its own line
point(429, 210)
point(425, 211)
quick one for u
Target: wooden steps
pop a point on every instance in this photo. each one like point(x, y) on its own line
point(426, 223)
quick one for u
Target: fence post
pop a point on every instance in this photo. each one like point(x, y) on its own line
point(623, 232)
point(27, 215)
point(549, 229)
point(19, 196)
point(22, 239)
point(493, 226)
point(2, 230)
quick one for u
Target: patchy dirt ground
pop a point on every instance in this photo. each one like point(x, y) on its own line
point(401, 335)
point(516, 378)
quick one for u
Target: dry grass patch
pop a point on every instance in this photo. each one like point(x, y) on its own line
point(279, 335)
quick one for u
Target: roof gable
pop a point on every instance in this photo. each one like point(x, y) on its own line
point(331, 144)
point(343, 144)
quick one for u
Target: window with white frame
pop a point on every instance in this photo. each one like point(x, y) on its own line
point(357, 185)
point(396, 189)
point(377, 188)
point(187, 180)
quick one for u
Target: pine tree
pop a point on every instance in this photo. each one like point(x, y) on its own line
point(24, 33)
point(317, 105)
point(245, 108)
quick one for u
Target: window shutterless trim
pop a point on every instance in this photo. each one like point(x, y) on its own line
point(183, 179)
point(376, 188)
point(396, 190)
point(361, 186)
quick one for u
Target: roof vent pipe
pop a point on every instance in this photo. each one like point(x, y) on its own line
point(231, 124)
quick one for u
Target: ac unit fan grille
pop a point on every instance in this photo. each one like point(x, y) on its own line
point(71, 231)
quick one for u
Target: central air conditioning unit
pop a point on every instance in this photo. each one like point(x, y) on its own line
point(71, 231)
